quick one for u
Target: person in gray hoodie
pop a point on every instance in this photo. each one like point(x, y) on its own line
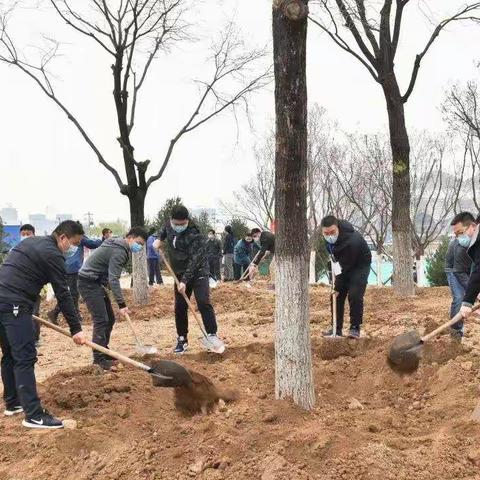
point(102, 268)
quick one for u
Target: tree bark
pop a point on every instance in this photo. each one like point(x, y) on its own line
point(139, 260)
point(401, 226)
point(293, 356)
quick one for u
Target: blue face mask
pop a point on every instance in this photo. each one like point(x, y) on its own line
point(464, 240)
point(136, 247)
point(257, 242)
point(179, 228)
point(331, 239)
point(71, 251)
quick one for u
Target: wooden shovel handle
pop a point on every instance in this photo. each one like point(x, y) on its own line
point(111, 353)
point(247, 271)
point(132, 328)
point(443, 327)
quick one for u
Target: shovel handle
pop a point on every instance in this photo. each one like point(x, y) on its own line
point(132, 328)
point(443, 327)
point(247, 271)
point(111, 353)
point(184, 295)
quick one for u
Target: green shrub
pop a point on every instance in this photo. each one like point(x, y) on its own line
point(435, 269)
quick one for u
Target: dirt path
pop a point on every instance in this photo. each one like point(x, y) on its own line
point(369, 423)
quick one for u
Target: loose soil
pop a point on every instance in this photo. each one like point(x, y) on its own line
point(369, 423)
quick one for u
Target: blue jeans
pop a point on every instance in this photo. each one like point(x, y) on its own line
point(458, 284)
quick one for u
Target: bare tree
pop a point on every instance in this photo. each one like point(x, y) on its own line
point(376, 29)
point(293, 355)
point(461, 109)
point(436, 180)
point(133, 33)
point(254, 202)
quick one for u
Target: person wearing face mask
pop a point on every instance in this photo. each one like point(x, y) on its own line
point(242, 256)
point(186, 249)
point(30, 265)
point(458, 266)
point(73, 263)
point(350, 260)
point(214, 255)
point(466, 231)
point(266, 242)
point(104, 267)
point(153, 261)
point(228, 248)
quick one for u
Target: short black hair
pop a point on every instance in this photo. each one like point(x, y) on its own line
point(105, 231)
point(151, 231)
point(254, 232)
point(228, 229)
point(70, 228)
point(478, 218)
point(329, 221)
point(211, 231)
point(179, 212)
point(465, 218)
point(137, 232)
point(27, 228)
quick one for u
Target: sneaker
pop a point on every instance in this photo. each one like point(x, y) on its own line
point(11, 411)
point(213, 344)
point(38, 343)
point(354, 333)
point(43, 420)
point(52, 317)
point(182, 345)
point(329, 334)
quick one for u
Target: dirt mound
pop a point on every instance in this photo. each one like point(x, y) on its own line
point(369, 422)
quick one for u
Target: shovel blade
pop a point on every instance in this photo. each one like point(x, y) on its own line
point(210, 347)
point(405, 352)
point(166, 373)
point(146, 350)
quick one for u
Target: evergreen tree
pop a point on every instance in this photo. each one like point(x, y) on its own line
point(435, 269)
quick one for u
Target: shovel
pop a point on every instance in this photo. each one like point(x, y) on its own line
point(205, 340)
point(406, 350)
point(165, 373)
point(247, 270)
point(141, 349)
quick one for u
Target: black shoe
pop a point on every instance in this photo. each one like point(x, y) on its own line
point(43, 420)
point(329, 333)
point(104, 364)
point(182, 345)
point(52, 317)
point(354, 333)
point(11, 411)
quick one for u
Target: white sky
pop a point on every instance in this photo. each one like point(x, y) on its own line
point(46, 164)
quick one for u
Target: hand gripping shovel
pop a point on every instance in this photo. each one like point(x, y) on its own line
point(165, 373)
point(247, 270)
point(141, 349)
point(406, 350)
point(204, 340)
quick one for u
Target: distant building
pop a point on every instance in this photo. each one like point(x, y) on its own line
point(12, 235)
point(61, 217)
point(42, 224)
point(9, 216)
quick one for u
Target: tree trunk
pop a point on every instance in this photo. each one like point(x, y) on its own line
point(313, 275)
point(293, 356)
point(139, 260)
point(379, 266)
point(401, 226)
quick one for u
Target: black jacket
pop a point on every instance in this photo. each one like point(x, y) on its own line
point(457, 259)
point(267, 244)
point(187, 252)
point(473, 287)
point(214, 248)
point(28, 267)
point(351, 251)
point(228, 244)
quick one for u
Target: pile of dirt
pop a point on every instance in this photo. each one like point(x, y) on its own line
point(369, 422)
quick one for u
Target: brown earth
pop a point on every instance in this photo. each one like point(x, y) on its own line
point(369, 423)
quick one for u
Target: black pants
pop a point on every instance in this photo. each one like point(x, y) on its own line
point(154, 274)
point(239, 269)
point(36, 325)
point(19, 356)
point(201, 289)
point(214, 266)
point(103, 318)
point(72, 282)
point(353, 286)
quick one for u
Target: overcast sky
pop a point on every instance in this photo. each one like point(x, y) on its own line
point(47, 165)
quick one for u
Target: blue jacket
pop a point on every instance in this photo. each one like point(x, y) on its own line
point(242, 252)
point(151, 252)
point(74, 263)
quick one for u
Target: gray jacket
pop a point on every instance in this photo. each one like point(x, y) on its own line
point(457, 259)
point(105, 264)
